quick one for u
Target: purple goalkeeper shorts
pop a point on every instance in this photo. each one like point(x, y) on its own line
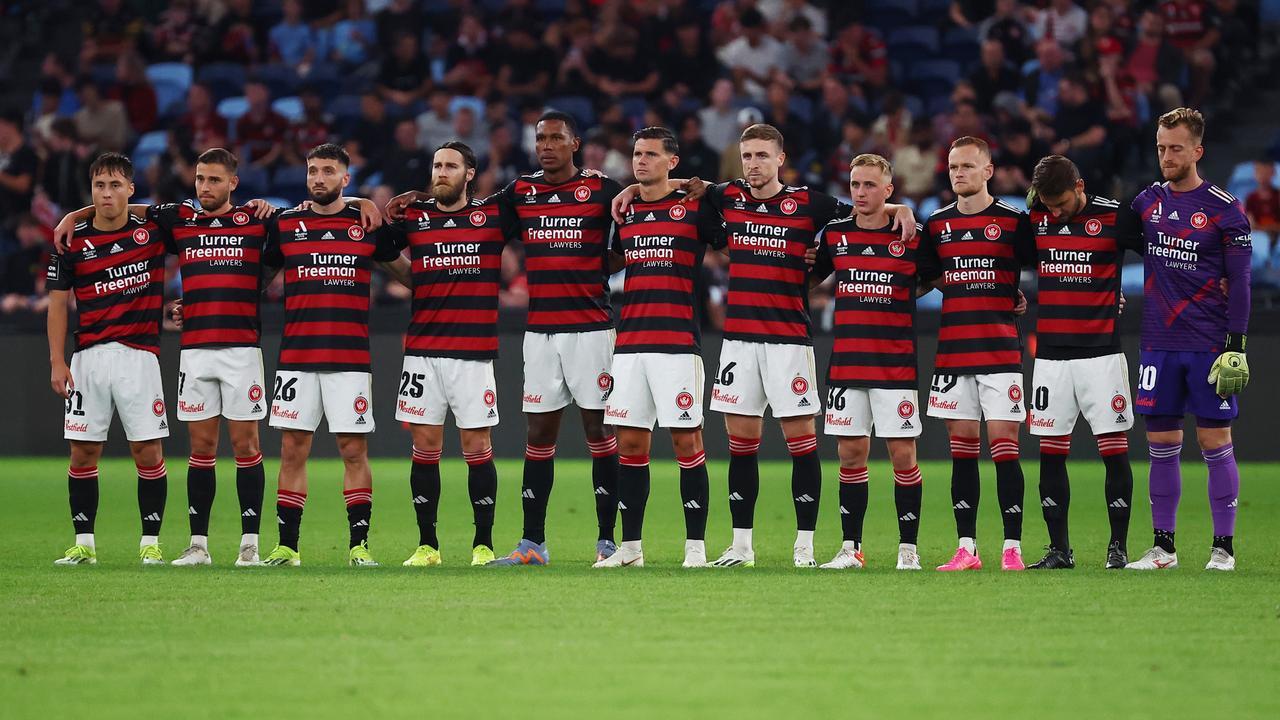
point(1174, 382)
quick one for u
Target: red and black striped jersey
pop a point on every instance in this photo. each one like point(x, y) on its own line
point(978, 258)
point(220, 258)
point(118, 280)
point(768, 298)
point(457, 265)
point(565, 229)
point(327, 261)
point(663, 243)
point(875, 298)
point(1079, 278)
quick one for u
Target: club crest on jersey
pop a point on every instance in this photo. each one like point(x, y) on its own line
point(897, 248)
point(906, 409)
point(1118, 403)
point(788, 206)
point(799, 385)
point(684, 401)
point(490, 398)
point(478, 218)
point(141, 236)
point(582, 193)
point(240, 218)
point(157, 407)
point(361, 405)
point(1199, 220)
point(355, 232)
point(677, 212)
point(255, 393)
point(992, 232)
point(1093, 226)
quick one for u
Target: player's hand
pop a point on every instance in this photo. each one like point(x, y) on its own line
point(261, 208)
point(396, 205)
point(1120, 311)
point(592, 172)
point(1229, 373)
point(904, 221)
point(1020, 307)
point(622, 202)
point(62, 234)
point(370, 215)
point(694, 188)
point(811, 255)
point(61, 380)
point(175, 312)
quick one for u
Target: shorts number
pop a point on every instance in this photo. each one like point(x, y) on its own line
point(943, 383)
point(1040, 398)
point(411, 384)
point(1147, 377)
point(182, 381)
point(75, 403)
point(835, 398)
point(726, 374)
point(285, 390)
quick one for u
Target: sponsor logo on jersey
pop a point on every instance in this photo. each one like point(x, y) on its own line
point(490, 397)
point(478, 218)
point(355, 232)
point(1199, 220)
point(141, 236)
point(906, 409)
point(1093, 226)
point(677, 212)
point(582, 193)
point(992, 232)
point(897, 248)
point(157, 407)
point(240, 218)
point(799, 385)
point(255, 393)
point(684, 401)
point(361, 404)
point(788, 206)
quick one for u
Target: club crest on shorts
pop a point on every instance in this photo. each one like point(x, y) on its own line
point(490, 397)
point(141, 236)
point(906, 409)
point(1093, 226)
point(604, 381)
point(1015, 393)
point(677, 212)
point(361, 405)
point(355, 232)
point(897, 248)
point(788, 206)
point(992, 232)
point(478, 218)
point(240, 218)
point(1118, 403)
point(255, 393)
point(684, 401)
point(582, 193)
point(157, 407)
point(799, 385)
point(1199, 220)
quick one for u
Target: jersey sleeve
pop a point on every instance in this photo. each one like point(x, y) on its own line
point(823, 266)
point(928, 264)
point(1024, 241)
point(714, 197)
point(272, 255)
point(385, 248)
point(505, 200)
point(1129, 230)
point(711, 226)
point(826, 208)
point(1237, 249)
point(58, 276)
point(165, 217)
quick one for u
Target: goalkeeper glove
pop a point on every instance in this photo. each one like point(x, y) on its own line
point(1230, 372)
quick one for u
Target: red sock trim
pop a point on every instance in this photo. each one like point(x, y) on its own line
point(155, 472)
point(603, 448)
point(291, 499)
point(693, 461)
point(633, 460)
point(965, 448)
point(478, 458)
point(854, 475)
point(358, 496)
point(248, 462)
point(426, 457)
point(910, 476)
point(1116, 443)
point(802, 445)
point(1056, 445)
point(743, 446)
point(202, 461)
point(83, 473)
point(539, 452)
point(1004, 450)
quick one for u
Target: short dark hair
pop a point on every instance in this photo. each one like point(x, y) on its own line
point(563, 117)
point(668, 138)
point(1053, 176)
point(219, 156)
point(329, 151)
point(112, 162)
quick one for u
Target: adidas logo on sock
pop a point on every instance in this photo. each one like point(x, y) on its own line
point(361, 523)
point(843, 510)
point(693, 505)
point(806, 498)
point(249, 513)
point(279, 520)
point(419, 500)
point(191, 510)
point(1013, 510)
point(483, 501)
point(908, 517)
point(1118, 503)
point(1048, 502)
point(962, 505)
point(735, 496)
point(528, 493)
point(79, 517)
point(602, 490)
point(621, 506)
point(153, 517)
point(1235, 502)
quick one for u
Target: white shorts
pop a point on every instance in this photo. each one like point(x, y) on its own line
point(996, 396)
point(656, 386)
point(852, 412)
point(753, 376)
point(221, 381)
point(1097, 387)
point(560, 368)
point(344, 399)
point(432, 386)
point(115, 378)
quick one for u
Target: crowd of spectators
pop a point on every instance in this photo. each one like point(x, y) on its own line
point(392, 79)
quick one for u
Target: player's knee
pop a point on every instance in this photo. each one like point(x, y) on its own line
point(85, 454)
point(593, 425)
point(353, 450)
point(147, 454)
point(685, 444)
point(902, 455)
point(1213, 436)
point(475, 441)
point(854, 452)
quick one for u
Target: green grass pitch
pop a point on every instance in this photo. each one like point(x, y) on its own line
point(122, 641)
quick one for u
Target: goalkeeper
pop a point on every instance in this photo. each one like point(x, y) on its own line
point(1193, 335)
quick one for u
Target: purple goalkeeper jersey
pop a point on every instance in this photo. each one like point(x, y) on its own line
point(1193, 240)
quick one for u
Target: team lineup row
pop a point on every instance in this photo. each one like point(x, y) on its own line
point(577, 227)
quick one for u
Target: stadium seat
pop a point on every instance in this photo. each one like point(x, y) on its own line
point(179, 74)
point(938, 105)
point(232, 108)
point(224, 79)
point(280, 79)
point(290, 181)
point(890, 14)
point(933, 78)
point(460, 101)
point(153, 142)
point(289, 107)
point(328, 79)
point(960, 45)
point(254, 182)
point(634, 106)
point(1131, 279)
point(913, 41)
point(576, 105)
point(926, 207)
point(914, 105)
point(801, 107)
point(937, 9)
point(346, 113)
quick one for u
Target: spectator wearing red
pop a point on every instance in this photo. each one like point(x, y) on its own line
point(134, 91)
point(1263, 206)
point(314, 128)
point(201, 124)
point(261, 131)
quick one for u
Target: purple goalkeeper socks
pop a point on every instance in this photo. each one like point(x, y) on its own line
point(1165, 484)
point(1224, 487)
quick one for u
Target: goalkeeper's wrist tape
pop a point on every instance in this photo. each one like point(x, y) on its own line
point(1235, 342)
